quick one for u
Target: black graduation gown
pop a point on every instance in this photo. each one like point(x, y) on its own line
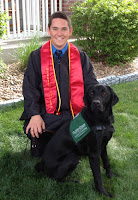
point(33, 93)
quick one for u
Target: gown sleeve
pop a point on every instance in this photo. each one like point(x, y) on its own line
point(32, 92)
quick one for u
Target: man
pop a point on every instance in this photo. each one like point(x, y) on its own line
point(55, 81)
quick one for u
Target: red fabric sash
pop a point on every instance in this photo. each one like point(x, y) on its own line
point(76, 80)
point(50, 82)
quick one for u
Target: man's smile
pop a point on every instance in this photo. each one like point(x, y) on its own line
point(59, 38)
point(59, 32)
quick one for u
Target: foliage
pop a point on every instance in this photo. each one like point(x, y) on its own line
point(107, 29)
point(25, 49)
point(19, 180)
point(3, 25)
point(3, 68)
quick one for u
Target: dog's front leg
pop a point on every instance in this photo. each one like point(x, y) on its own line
point(106, 163)
point(95, 166)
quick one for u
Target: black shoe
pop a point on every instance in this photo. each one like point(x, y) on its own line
point(36, 147)
point(38, 144)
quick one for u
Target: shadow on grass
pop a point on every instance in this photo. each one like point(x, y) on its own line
point(19, 180)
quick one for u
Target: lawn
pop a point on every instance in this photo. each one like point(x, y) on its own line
point(19, 180)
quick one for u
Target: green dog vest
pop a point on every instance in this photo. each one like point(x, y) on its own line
point(79, 128)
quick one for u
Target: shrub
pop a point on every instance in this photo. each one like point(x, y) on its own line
point(110, 29)
point(3, 69)
point(3, 19)
point(24, 51)
point(3, 24)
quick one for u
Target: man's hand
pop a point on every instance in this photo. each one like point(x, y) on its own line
point(36, 126)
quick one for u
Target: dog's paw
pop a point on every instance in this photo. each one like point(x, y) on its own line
point(111, 174)
point(108, 194)
point(75, 181)
point(104, 192)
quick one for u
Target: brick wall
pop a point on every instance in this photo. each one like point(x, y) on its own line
point(66, 4)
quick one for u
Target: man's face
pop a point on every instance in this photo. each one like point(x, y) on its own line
point(59, 32)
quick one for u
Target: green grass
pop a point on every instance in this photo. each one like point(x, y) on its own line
point(25, 50)
point(19, 181)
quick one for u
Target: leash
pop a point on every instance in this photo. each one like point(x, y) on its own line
point(26, 148)
point(49, 131)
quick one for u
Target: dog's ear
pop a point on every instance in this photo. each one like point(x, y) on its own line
point(114, 97)
point(86, 96)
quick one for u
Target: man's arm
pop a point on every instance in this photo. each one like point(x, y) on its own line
point(33, 96)
point(31, 86)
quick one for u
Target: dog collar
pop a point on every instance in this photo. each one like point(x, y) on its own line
point(99, 127)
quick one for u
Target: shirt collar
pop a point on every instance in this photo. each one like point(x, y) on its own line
point(63, 50)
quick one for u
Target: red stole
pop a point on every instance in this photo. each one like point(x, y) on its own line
point(50, 85)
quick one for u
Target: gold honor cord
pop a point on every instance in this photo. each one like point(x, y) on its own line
point(55, 80)
point(69, 81)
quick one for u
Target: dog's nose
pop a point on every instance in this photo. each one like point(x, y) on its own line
point(96, 103)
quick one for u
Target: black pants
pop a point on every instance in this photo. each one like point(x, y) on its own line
point(53, 123)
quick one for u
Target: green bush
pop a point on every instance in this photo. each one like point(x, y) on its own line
point(24, 51)
point(3, 24)
point(107, 29)
point(3, 69)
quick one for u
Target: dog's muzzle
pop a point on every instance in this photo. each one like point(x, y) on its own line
point(96, 105)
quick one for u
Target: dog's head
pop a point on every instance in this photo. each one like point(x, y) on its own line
point(100, 97)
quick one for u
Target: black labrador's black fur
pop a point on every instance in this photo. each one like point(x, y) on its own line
point(62, 154)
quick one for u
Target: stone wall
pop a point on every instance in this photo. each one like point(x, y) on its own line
point(113, 80)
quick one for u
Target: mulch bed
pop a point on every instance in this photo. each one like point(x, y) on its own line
point(11, 86)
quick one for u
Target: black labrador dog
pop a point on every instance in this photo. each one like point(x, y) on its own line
point(90, 137)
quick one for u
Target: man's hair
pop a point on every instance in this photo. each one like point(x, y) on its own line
point(60, 15)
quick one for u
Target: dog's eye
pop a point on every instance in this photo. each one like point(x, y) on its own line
point(104, 94)
point(91, 93)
